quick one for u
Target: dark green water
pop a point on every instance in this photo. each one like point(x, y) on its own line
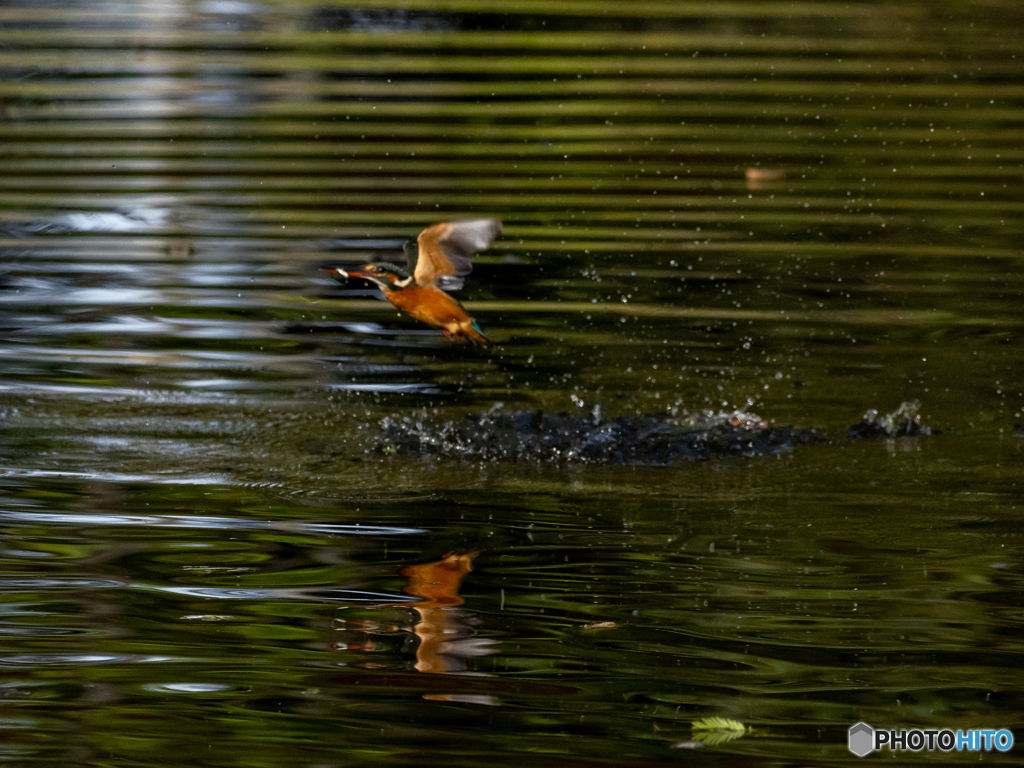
point(804, 210)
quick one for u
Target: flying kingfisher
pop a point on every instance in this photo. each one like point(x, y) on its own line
point(438, 261)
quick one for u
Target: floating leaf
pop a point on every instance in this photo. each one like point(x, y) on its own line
point(718, 724)
point(718, 730)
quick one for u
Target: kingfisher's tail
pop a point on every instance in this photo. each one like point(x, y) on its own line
point(465, 329)
point(475, 335)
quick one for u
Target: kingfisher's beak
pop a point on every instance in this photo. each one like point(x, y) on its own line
point(337, 271)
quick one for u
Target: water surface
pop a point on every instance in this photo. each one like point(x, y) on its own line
point(803, 211)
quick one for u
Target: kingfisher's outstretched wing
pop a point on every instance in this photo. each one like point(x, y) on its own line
point(445, 251)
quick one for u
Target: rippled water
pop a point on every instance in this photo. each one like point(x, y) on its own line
point(801, 210)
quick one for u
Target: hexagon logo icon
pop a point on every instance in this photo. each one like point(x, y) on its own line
point(862, 739)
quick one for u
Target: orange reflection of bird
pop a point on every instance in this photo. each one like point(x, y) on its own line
point(438, 261)
point(446, 633)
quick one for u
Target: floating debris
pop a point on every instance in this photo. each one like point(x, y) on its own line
point(760, 178)
point(905, 421)
point(688, 745)
point(536, 436)
point(718, 730)
point(765, 174)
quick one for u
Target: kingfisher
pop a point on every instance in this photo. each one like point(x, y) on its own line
point(437, 261)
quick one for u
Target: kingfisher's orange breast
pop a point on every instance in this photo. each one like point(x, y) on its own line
point(430, 305)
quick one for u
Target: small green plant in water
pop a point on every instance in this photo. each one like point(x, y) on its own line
point(718, 730)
